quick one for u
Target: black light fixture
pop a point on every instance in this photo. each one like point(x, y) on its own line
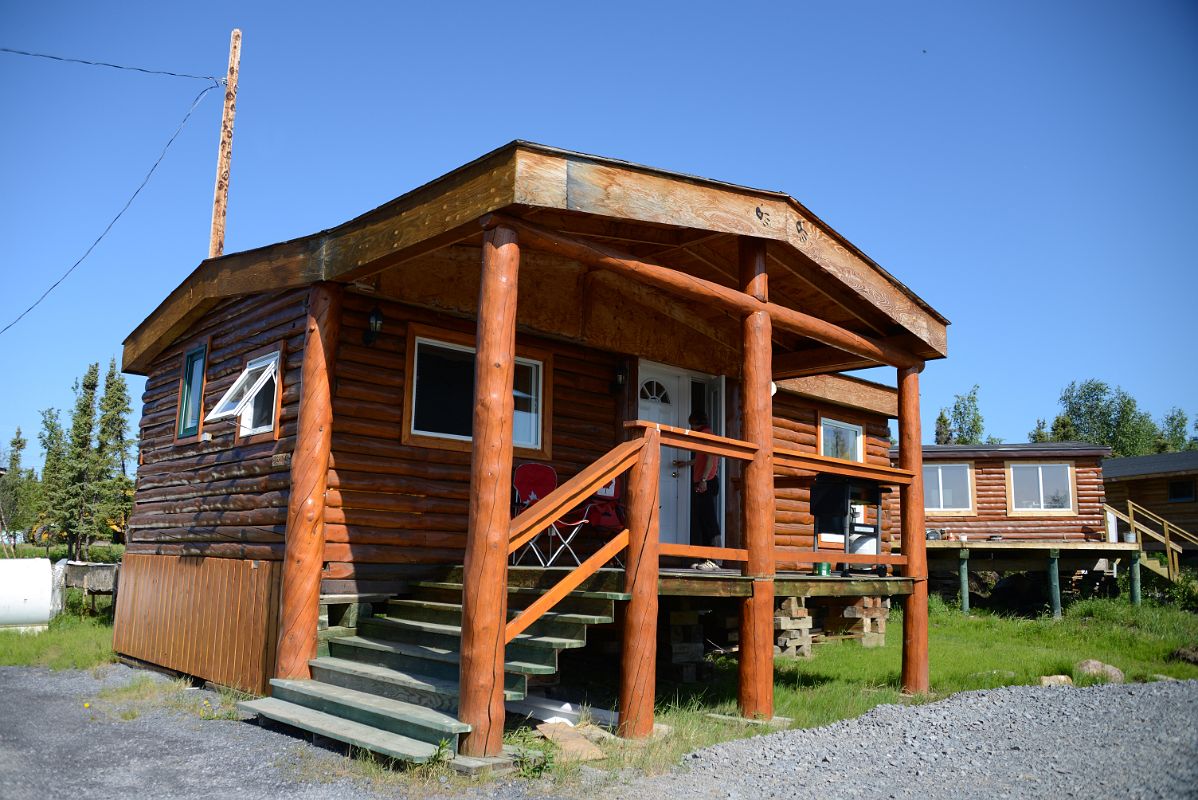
point(621, 377)
point(371, 335)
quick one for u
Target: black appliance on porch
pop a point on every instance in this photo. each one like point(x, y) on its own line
point(840, 508)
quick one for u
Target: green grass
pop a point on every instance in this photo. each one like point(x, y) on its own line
point(72, 642)
point(102, 553)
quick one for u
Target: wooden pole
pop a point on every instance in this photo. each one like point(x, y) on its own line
point(220, 197)
point(1054, 582)
point(1134, 576)
point(299, 598)
point(638, 660)
point(963, 574)
point(484, 593)
point(756, 667)
point(914, 536)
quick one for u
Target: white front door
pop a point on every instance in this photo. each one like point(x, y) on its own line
point(668, 395)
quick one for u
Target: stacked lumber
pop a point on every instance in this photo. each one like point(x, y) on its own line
point(792, 629)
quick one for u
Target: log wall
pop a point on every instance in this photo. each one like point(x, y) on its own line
point(991, 517)
point(795, 426)
point(1152, 492)
point(213, 618)
point(393, 503)
point(218, 497)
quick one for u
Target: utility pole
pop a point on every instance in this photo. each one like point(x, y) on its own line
point(220, 198)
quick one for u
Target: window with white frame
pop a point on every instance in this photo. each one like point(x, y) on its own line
point(946, 487)
point(1041, 487)
point(842, 440)
point(253, 397)
point(443, 394)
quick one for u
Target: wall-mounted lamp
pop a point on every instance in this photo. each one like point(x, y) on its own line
point(371, 335)
point(617, 385)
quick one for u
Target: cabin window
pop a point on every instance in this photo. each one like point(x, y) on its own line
point(1181, 491)
point(946, 488)
point(191, 392)
point(1041, 488)
point(253, 398)
point(443, 394)
point(842, 440)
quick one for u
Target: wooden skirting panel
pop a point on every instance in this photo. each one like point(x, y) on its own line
point(215, 618)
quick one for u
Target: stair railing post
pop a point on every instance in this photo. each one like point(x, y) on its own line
point(1169, 555)
point(638, 658)
point(484, 582)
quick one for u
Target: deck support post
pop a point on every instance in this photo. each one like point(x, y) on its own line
point(1134, 577)
point(484, 590)
point(1054, 582)
point(638, 658)
point(299, 597)
point(756, 667)
point(963, 574)
point(915, 677)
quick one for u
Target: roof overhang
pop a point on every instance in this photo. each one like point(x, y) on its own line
point(847, 391)
point(522, 176)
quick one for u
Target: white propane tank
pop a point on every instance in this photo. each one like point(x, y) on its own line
point(25, 590)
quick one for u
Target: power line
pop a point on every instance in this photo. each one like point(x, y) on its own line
point(142, 70)
point(129, 202)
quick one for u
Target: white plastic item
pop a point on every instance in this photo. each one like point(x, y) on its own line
point(25, 594)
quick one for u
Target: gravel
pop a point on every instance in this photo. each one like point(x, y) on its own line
point(1136, 741)
point(1133, 741)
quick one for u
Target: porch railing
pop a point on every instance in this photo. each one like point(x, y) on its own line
point(1145, 524)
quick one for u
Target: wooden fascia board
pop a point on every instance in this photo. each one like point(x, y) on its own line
point(845, 391)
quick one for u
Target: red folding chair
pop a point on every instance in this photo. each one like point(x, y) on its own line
point(533, 482)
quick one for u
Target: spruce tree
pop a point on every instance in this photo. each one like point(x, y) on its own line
point(944, 428)
point(1040, 432)
point(13, 514)
point(54, 442)
point(81, 467)
point(115, 487)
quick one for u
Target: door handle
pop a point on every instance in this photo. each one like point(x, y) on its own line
point(673, 474)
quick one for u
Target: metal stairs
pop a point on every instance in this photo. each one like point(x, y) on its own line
point(388, 682)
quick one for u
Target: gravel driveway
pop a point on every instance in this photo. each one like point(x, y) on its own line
point(1110, 741)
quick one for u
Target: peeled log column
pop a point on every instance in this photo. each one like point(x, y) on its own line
point(914, 536)
point(638, 661)
point(299, 599)
point(756, 666)
point(484, 593)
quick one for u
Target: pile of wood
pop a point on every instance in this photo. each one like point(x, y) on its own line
point(685, 648)
point(792, 629)
point(861, 618)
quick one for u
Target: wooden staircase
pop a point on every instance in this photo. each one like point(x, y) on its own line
point(388, 682)
point(1153, 533)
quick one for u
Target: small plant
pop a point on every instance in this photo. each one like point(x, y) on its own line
point(534, 755)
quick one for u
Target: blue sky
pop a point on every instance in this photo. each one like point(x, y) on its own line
point(1028, 168)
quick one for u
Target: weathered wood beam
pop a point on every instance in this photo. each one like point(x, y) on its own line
point(817, 361)
point(703, 291)
point(915, 678)
point(756, 666)
point(484, 590)
point(299, 600)
point(638, 657)
point(831, 288)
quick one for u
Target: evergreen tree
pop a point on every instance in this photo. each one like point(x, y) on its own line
point(14, 508)
point(944, 428)
point(1063, 430)
point(81, 467)
point(54, 442)
point(115, 487)
point(1040, 432)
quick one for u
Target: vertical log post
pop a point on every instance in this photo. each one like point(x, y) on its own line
point(299, 598)
point(224, 156)
point(756, 688)
point(914, 536)
point(1134, 576)
point(963, 574)
point(1054, 582)
point(484, 593)
point(638, 662)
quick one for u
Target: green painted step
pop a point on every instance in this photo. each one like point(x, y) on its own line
point(424, 627)
point(436, 611)
point(426, 690)
point(384, 713)
point(427, 634)
point(423, 659)
point(570, 604)
point(531, 590)
point(355, 733)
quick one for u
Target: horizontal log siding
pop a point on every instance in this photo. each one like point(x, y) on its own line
point(218, 498)
point(391, 503)
point(795, 420)
point(214, 618)
point(991, 517)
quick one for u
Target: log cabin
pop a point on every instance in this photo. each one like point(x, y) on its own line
point(340, 416)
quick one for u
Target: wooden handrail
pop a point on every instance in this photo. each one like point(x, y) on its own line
point(698, 441)
point(529, 523)
point(795, 555)
point(1143, 529)
point(696, 551)
point(786, 458)
point(1139, 509)
point(569, 583)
